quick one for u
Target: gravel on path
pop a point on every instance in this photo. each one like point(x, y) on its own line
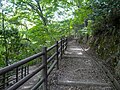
point(78, 71)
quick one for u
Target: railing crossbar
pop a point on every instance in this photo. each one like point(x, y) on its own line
point(51, 47)
point(51, 67)
point(19, 83)
point(19, 71)
point(49, 59)
point(19, 63)
point(38, 84)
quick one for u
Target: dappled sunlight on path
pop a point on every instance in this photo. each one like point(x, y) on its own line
point(79, 72)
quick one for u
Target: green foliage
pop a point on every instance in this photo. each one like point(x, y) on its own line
point(106, 28)
point(27, 25)
point(82, 14)
point(100, 19)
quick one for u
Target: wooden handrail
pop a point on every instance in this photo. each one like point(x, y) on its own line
point(59, 46)
point(19, 63)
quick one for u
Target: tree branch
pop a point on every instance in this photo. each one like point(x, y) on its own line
point(41, 13)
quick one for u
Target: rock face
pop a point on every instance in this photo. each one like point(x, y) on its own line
point(78, 71)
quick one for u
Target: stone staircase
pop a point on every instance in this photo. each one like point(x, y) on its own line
point(78, 71)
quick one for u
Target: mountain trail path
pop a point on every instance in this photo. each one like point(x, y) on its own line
point(78, 71)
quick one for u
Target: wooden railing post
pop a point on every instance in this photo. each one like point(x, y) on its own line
point(27, 69)
point(66, 43)
point(17, 74)
point(63, 45)
point(21, 72)
point(61, 49)
point(57, 54)
point(4, 80)
point(44, 72)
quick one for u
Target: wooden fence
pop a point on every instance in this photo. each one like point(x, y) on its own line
point(15, 75)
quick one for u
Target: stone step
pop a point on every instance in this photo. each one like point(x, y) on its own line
point(78, 71)
point(74, 56)
point(60, 87)
point(70, 64)
point(79, 83)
